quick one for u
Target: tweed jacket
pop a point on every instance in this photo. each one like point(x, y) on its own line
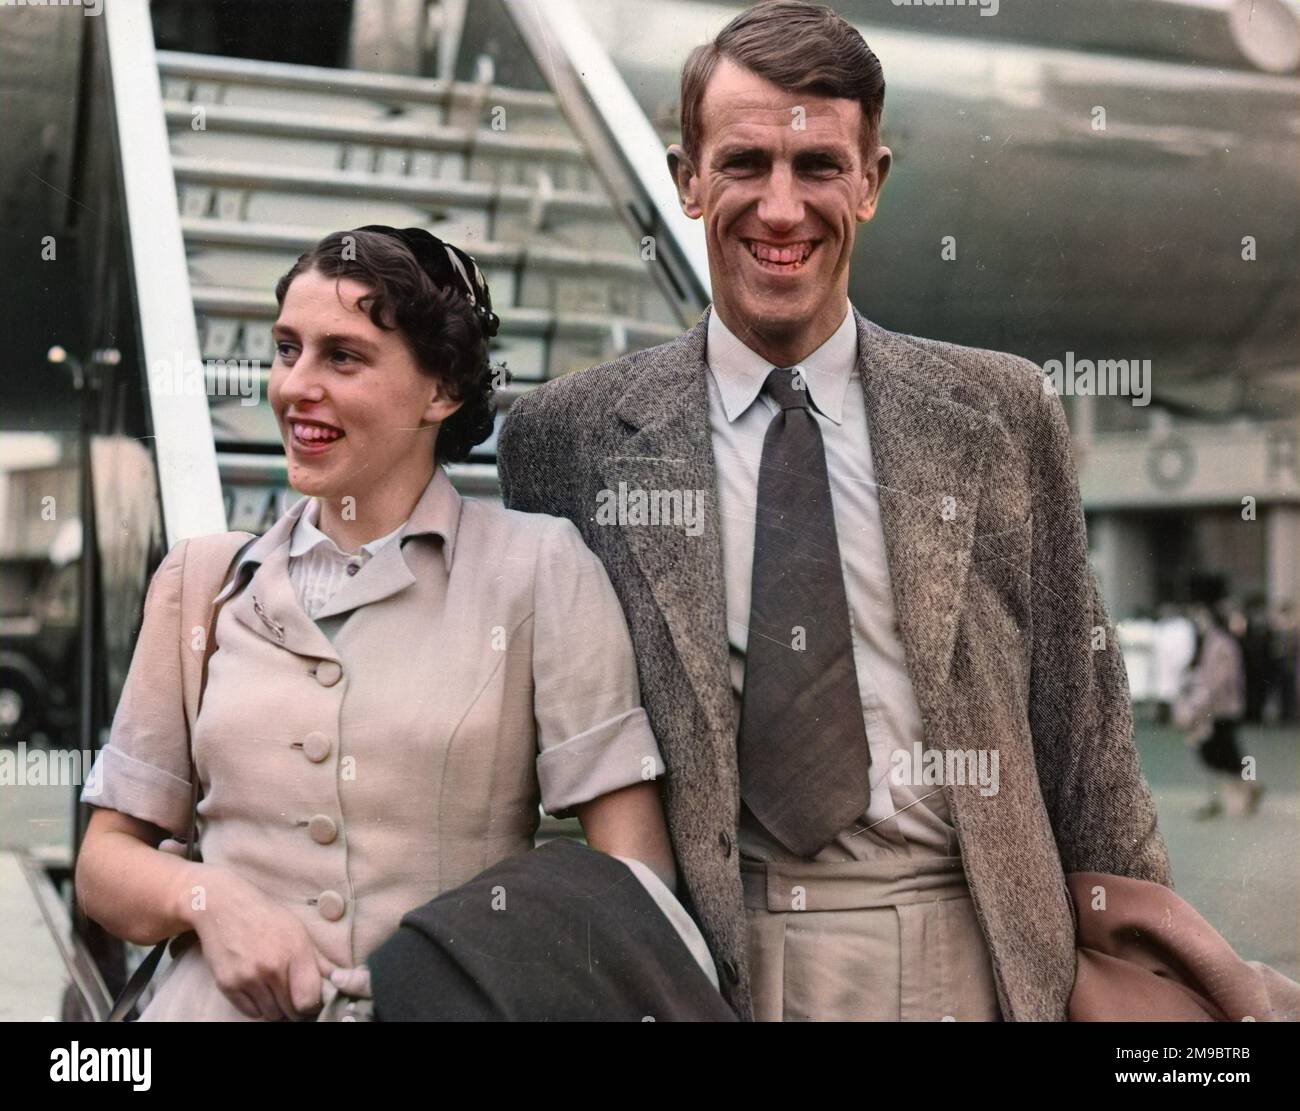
point(1007, 642)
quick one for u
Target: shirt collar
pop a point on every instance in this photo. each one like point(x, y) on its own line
point(307, 534)
point(740, 371)
point(437, 513)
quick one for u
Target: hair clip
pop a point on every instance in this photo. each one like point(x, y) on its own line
point(447, 270)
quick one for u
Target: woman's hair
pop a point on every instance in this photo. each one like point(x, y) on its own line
point(438, 324)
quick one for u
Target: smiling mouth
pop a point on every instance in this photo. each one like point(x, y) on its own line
point(787, 259)
point(312, 437)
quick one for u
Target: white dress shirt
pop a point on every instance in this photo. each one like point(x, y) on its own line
point(317, 566)
point(739, 415)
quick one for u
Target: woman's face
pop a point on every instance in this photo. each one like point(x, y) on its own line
point(353, 406)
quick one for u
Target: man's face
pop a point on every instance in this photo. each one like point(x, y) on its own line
point(781, 183)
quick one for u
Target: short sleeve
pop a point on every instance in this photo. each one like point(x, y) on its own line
point(592, 733)
point(144, 770)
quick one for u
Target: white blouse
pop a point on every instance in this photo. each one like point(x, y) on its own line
point(317, 566)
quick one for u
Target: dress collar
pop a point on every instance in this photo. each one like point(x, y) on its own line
point(437, 513)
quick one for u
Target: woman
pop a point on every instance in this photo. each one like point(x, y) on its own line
point(1211, 706)
point(390, 659)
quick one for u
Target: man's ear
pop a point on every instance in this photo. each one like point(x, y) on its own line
point(685, 178)
point(873, 182)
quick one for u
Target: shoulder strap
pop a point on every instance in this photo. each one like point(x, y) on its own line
point(207, 566)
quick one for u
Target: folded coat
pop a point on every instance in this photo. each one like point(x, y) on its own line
point(1146, 955)
point(559, 934)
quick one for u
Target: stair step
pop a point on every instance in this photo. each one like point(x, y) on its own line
point(466, 212)
point(241, 256)
point(219, 301)
point(493, 165)
point(395, 132)
point(251, 176)
point(253, 428)
point(288, 239)
point(534, 344)
point(257, 469)
point(348, 84)
point(505, 395)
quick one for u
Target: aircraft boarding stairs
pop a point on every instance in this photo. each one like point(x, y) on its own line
point(268, 158)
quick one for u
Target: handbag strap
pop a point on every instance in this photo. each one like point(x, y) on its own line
point(208, 566)
point(200, 586)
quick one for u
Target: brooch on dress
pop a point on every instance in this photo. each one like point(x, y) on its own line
point(276, 628)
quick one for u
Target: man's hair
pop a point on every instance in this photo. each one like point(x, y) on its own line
point(797, 46)
point(438, 325)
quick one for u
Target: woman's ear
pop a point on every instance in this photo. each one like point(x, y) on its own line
point(441, 405)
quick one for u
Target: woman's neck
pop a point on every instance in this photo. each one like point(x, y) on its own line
point(351, 521)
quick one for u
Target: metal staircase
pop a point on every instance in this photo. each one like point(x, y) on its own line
point(266, 158)
point(269, 158)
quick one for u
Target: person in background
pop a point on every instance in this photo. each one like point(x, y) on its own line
point(1212, 704)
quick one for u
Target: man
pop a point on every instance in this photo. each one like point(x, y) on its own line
point(888, 695)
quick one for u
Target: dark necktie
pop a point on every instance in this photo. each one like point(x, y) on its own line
point(803, 746)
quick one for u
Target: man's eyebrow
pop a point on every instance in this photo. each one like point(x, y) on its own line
point(829, 148)
point(739, 150)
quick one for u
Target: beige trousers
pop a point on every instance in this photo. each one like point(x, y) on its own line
point(894, 939)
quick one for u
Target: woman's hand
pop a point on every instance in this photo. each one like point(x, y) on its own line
point(261, 955)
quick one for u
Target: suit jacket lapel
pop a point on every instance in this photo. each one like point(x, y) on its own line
point(929, 451)
point(669, 447)
point(385, 574)
point(264, 600)
point(269, 607)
